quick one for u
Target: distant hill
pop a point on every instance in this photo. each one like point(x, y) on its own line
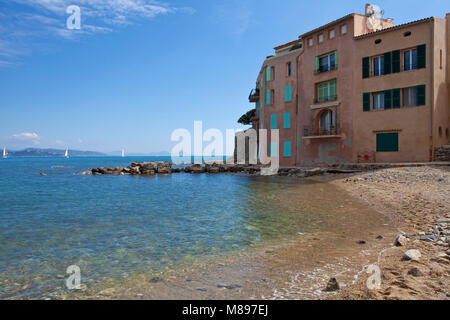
point(140, 154)
point(36, 152)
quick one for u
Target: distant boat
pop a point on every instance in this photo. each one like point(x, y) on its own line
point(5, 154)
point(66, 154)
point(123, 153)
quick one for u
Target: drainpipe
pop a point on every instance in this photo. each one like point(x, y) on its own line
point(297, 104)
point(431, 54)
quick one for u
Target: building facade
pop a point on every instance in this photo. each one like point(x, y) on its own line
point(346, 93)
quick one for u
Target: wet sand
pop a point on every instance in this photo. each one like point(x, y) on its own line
point(297, 267)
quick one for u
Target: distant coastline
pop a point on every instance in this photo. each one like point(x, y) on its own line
point(36, 152)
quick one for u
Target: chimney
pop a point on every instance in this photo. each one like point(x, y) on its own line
point(367, 9)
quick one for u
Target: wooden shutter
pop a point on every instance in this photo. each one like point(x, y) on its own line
point(287, 148)
point(366, 101)
point(287, 93)
point(421, 56)
point(388, 99)
point(387, 62)
point(396, 61)
point(333, 91)
point(366, 67)
point(387, 142)
point(396, 101)
point(286, 120)
point(273, 121)
point(421, 95)
point(335, 60)
point(268, 73)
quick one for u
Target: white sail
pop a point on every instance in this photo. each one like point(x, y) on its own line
point(123, 153)
point(66, 154)
point(5, 154)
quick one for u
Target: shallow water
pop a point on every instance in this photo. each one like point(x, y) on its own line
point(115, 227)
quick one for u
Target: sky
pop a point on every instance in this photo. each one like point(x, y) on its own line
point(139, 69)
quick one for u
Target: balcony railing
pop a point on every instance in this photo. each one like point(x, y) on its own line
point(327, 98)
point(380, 73)
point(323, 69)
point(319, 132)
point(254, 95)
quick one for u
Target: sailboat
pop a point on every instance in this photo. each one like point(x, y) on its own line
point(66, 154)
point(123, 153)
point(5, 154)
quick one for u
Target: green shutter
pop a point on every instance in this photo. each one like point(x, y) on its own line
point(335, 60)
point(396, 61)
point(366, 67)
point(388, 99)
point(267, 73)
point(421, 95)
point(288, 94)
point(333, 91)
point(396, 101)
point(316, 67)
point(387, 142)
point(387, 63)
point(286, 120)
point(287, 148)
point(366, 101)
point(421, 56)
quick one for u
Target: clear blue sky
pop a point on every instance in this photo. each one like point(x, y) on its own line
point(138, 69)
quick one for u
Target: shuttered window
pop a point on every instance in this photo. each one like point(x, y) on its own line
point(396, 98)
point(288, 93)
point(268, 101)
point(396, 61)
point(421, 56)
point(273, 121)
point(366, 101)
point(387, 142)
point(421, 95)
point(388, 99)
point(286, 120)
point(287, 149)
point(366, 67)
point(388, 63)
point(268, 73)
point(326, 91)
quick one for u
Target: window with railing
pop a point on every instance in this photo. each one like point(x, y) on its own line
point(326, 91)
point(326, 63)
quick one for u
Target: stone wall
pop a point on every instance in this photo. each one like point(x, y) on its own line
point(442, 154)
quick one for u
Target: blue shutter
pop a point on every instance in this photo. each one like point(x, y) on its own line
point(286, 120)
point(267, 97)
point(273, 121)
point(287, 148)
point(288, 94)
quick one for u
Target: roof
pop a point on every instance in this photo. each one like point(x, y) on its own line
point(400, 26)
point(328, 25)
point(281, 46)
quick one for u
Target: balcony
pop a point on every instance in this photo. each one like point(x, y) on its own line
point(319, 133)
point(254, 95)
point(326, 99)
point(323, 69)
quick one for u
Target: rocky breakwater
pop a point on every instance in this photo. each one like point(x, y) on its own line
point(164, 168)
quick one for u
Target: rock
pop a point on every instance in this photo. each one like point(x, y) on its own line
point(201, 289)
point(332, 285)
point(415, 272)
point(361, 242)
point(428, 238)
point(412, 254)
point(229, 287)
point(155, 280)
point(443, 221)
point(401, 241)
point(164, 168)
point(380, 238)
point(213, 170)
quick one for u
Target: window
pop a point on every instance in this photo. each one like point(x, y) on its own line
point(440, 132)
point(378, 66)
point(286, 120)
point(327, 123)
point(410, 59)
point(272, 73)
point(344, 29)
point(326, 63)
point(257, 108)
point(410, 97)
point(273, 121)
point(387, 142)
point(288, 94)
point(332, 34)
point(310, 42)
point(287, 149)
point(320, 38)
point(378, 101)
point(326, 91)
point(289, 69)
point(273, 149)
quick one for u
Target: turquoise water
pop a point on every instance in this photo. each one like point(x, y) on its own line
point(113, 226)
